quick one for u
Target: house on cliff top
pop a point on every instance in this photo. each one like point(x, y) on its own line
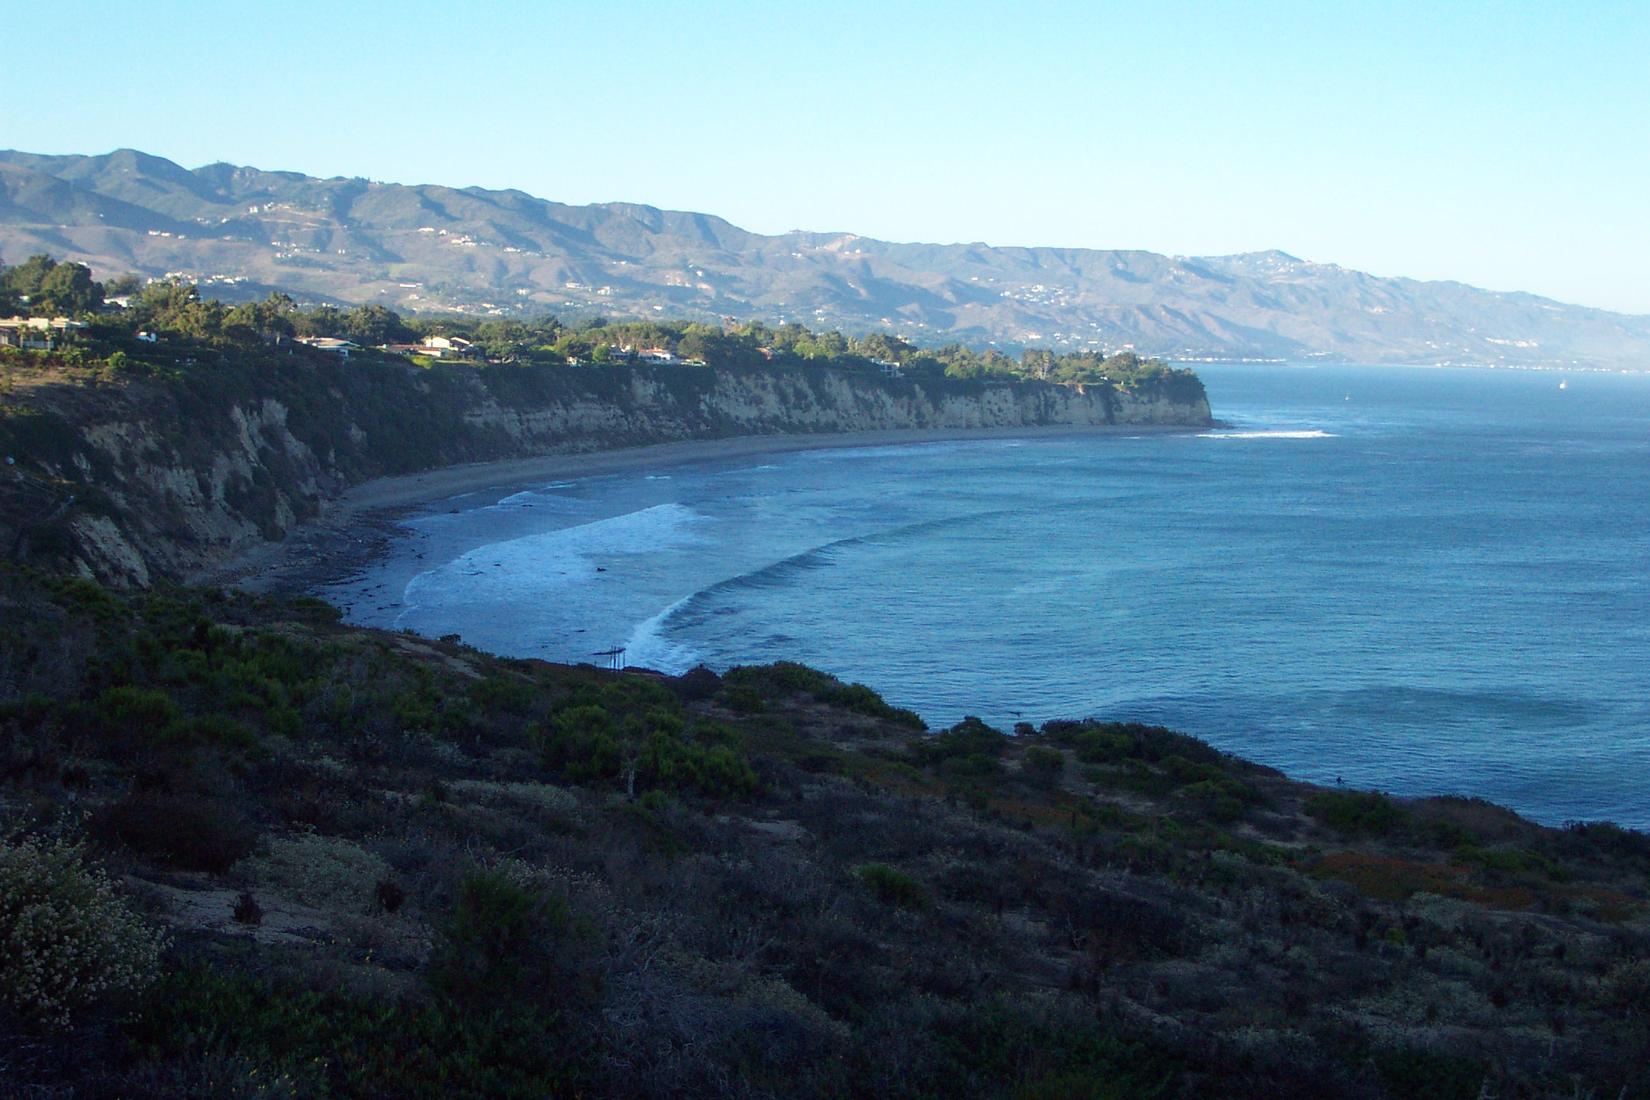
point(38, 333)
point(330, 345)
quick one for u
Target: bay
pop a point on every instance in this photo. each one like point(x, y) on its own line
point(1418, 580)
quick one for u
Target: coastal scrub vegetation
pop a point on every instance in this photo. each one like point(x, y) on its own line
point(251, 850)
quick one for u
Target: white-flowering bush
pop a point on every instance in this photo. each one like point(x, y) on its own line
point(67, 940)
point(323, 871)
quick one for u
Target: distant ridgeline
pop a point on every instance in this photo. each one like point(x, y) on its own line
point(172, 431)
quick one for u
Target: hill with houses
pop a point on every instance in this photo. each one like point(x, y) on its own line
point(240, 232)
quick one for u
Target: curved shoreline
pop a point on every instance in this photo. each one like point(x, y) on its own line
point(358, 525)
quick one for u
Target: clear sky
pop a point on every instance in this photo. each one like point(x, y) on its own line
point(1503, 144)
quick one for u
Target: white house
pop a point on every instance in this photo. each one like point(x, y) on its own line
point(330, 345)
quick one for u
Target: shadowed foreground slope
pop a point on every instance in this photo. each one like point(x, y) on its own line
point(395, 867)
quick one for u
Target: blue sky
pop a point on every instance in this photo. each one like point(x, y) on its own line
point(1502, 144)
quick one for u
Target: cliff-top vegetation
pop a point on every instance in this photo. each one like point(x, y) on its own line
point(176, 311)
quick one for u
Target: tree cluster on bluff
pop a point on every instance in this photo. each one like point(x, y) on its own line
point(177, 309)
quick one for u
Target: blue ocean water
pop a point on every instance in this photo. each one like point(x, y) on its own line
point(1424, 581)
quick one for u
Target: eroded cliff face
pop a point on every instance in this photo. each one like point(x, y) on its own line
point(726, 403)
point(140, 482)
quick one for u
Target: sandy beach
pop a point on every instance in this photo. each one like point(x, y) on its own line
point(356, 527)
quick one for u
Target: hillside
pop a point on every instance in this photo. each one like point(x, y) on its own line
point(389, 866)
point(243, 231)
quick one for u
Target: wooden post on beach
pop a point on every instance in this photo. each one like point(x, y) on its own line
point(615, 657)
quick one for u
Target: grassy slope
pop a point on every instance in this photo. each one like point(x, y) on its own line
point(446, 888)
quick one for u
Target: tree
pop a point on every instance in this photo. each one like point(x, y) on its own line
point(49, 287)
point(502, 339)
point(789, 336)
point(123, 286)
point(1036, 362)
point(160, 300)
point(269, 319)
point(321, 321)
point(373, 325)
point(176, 306)
point(880, 345)
point(824, 345)
point(23, 281)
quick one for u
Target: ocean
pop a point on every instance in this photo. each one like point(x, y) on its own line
point(1423, 581)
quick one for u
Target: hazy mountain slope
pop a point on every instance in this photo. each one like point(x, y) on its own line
point(440, 248)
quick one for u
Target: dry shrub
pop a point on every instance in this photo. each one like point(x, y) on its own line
point(321, 871)
point(539, 796)
point(678, 1026)
point(1627, 985)
point(67, 941)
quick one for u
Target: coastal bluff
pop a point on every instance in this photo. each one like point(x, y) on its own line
point(136, 480)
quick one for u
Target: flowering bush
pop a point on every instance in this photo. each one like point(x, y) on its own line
point(66, 939)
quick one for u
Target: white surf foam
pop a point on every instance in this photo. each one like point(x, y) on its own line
point(648, 647)
point(1305, 433)
point(535, 568)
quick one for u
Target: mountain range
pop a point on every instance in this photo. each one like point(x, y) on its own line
point(241, 231)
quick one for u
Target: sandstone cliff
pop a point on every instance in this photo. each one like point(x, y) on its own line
point(138, 481)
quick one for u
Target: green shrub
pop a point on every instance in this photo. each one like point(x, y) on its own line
point(318, 612)
point(1109, 742)
point(1429, 1074)
point(789, 677)
point(1512, 862)
point(968, 738)
point(87, 596)
point(1368, 813)
point(248, 1035)
point(698, 683)
point(1044, 764)
point(498, 942)
point(863, 700)
point(670, 762)
point(723, 773)
point(587, 742)
point(190, 834)
point(1218, 801)
point(893, 887)
point(137, 712)
point(582, 742)
point(742, 699)
point(502, 693)
point(1031, 1049)
point(207, 729)
point(67, 941)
